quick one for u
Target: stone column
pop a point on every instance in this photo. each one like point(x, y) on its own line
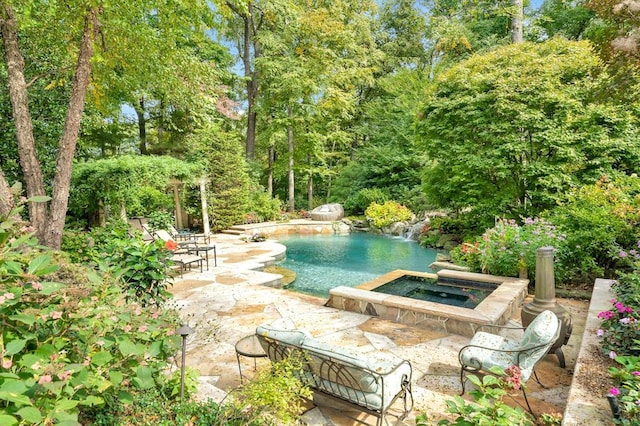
point(545, 299)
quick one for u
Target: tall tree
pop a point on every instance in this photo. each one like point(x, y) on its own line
point(79, 26)
point(514, 129)
point(517, 16)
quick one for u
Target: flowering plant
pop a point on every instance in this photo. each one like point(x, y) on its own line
point(627, 389)
point(69, 348)
point(508, 249)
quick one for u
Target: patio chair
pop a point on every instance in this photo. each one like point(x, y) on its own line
point(166, 237)
point(488, 350)
point(190, 246)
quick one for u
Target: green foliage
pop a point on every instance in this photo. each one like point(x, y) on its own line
point(154, 407)
point(160, 220)
point(507, 249)
point(142, 269)
point(627, 389)
point(129, 181)
point(228, 182)
point(274, 396)
point(262, 207)
point(599, 220)
point(488, 407)
point(381, 215)
point(619, 328)
point(510, 132)
point(357, 204)
point(61, 351)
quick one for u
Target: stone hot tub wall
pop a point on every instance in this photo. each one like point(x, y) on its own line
point(496, 309)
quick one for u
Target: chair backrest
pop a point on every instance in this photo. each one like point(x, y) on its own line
point(538, 338)
point(163, 235)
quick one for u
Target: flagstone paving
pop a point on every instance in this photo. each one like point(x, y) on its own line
point(228, 302)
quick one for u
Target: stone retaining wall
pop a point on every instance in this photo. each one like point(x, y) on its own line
point(584, 407)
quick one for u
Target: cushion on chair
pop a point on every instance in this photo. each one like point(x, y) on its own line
point(543, 330)
point(481, 354)
point(289, 337)
point(486, 349)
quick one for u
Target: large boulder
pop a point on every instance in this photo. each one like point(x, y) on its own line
point(327, 212)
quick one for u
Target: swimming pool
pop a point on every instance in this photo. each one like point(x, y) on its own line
point(327, 261)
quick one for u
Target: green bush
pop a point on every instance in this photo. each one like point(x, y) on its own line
point(65, 348)
point(627, 389)
point(141, 268)
point(598, 220)
point(357, 204)
point(381, 215)
point(160, 220)
point(261, 206)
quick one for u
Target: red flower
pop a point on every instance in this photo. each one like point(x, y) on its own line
point(171, 245)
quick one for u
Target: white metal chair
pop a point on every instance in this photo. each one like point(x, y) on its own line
point(488, 350)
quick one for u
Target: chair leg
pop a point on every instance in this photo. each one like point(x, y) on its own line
point(538, 380)
point(524, 393)
point(462, 380)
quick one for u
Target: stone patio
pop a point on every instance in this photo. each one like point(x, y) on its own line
point(229, 301)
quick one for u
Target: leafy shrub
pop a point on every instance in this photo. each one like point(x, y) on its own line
point(65, 348)
point(142, 269)
point(381, 215)
point(627, 389)
point(160, 220)
point(488, 407)
point(274, 395)
point(508, 248)
point(357, 204)
point(619, 330)
point(89, 247)
point(262, 207)
point(598, 221)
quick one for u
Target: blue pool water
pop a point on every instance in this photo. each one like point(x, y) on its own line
point(324, 262)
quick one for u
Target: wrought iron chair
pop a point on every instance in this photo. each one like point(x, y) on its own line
point(488, 350)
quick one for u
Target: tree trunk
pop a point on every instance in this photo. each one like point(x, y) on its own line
point(516, 21)
point(310, 192)
point(292, 192)
point(6, 196)
point(69, 138)
point(22, 117)
point(272, 159)
point(142, 127)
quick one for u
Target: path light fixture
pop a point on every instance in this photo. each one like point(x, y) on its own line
point(183, 331)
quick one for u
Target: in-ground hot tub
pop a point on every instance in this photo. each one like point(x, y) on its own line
point(505, 295)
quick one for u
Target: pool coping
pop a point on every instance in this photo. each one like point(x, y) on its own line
point(495, 309)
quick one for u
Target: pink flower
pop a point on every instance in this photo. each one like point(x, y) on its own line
point(2, 299)
point(9, 296)
point(127, 328)
point(622, 253)
point(45, 379)
point(613, 355)
point(600, 332)
point(625, 320)
point(636, 373)
point(606, 315)
point(64, 376)
point(36, 285)
point(614, 391)
point(6, 363)
point(56, 314)
point(142, 328)
point(155, 315)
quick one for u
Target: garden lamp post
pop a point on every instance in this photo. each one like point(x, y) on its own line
point(183, 331)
